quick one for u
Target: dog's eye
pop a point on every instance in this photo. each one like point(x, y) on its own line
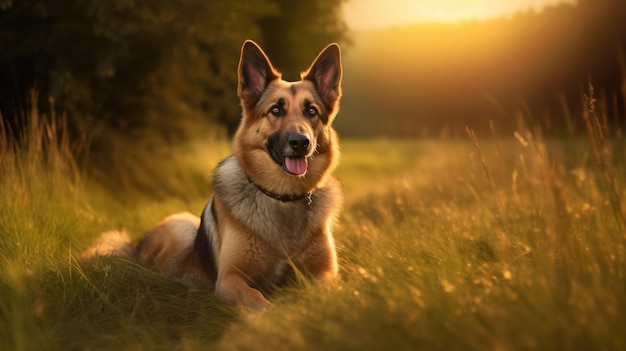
point(276, 111)
point(312, 112)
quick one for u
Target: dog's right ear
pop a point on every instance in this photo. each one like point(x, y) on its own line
point(255, 72)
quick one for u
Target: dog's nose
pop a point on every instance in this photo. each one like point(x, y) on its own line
point(298, 142)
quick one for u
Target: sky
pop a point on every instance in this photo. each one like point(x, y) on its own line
point(373, 14)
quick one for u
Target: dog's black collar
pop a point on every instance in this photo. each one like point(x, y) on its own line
point(283, 197)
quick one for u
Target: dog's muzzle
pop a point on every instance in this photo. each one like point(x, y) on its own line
point(290, 151)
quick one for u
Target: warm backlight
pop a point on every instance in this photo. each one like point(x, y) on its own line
point(370, 14)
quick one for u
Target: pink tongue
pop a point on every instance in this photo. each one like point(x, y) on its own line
point(296, 165)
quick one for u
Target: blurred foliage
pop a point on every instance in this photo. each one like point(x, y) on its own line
point(136, 66)
point(308, 27)
point(533, 67)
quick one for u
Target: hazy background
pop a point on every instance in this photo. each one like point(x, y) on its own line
point(167, 70)
point(530, 66)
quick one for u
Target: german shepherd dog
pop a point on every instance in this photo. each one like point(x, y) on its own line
point(274, 201)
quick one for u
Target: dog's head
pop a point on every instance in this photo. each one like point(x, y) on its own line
point(285, 140)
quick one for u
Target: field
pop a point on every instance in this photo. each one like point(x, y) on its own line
point(499, 242)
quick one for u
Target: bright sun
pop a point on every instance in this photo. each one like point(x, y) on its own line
point(370, 14)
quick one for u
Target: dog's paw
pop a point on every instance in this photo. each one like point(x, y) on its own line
point(238, 292)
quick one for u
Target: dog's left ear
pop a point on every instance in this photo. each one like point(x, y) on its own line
point(325, 73)
point(255, 72)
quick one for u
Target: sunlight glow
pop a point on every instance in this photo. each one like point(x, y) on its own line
point(372, 14)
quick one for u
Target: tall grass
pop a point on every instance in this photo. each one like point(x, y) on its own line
point(513, 242)
point(39, 184)
point(39, 219)
point(51, 210)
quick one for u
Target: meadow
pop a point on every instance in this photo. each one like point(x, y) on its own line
point(489, 242)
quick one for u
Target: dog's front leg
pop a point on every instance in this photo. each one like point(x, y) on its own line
point(238, 265)
point(320, 259)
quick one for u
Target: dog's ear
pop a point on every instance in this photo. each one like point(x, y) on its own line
point(255, 72)
point(325, 73)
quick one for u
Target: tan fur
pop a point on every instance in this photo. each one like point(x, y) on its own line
point(168, 248)
point(111, 243)
point(265, 219)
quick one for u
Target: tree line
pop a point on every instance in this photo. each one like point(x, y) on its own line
point(164, 66)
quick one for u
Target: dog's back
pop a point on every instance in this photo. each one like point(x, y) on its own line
point(166, 247)
point(111, 243)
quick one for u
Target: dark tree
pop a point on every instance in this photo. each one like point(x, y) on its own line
point(299, 30)
point(156, 65)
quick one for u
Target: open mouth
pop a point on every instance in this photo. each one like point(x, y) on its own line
point(296, 165)
point(289, 154)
